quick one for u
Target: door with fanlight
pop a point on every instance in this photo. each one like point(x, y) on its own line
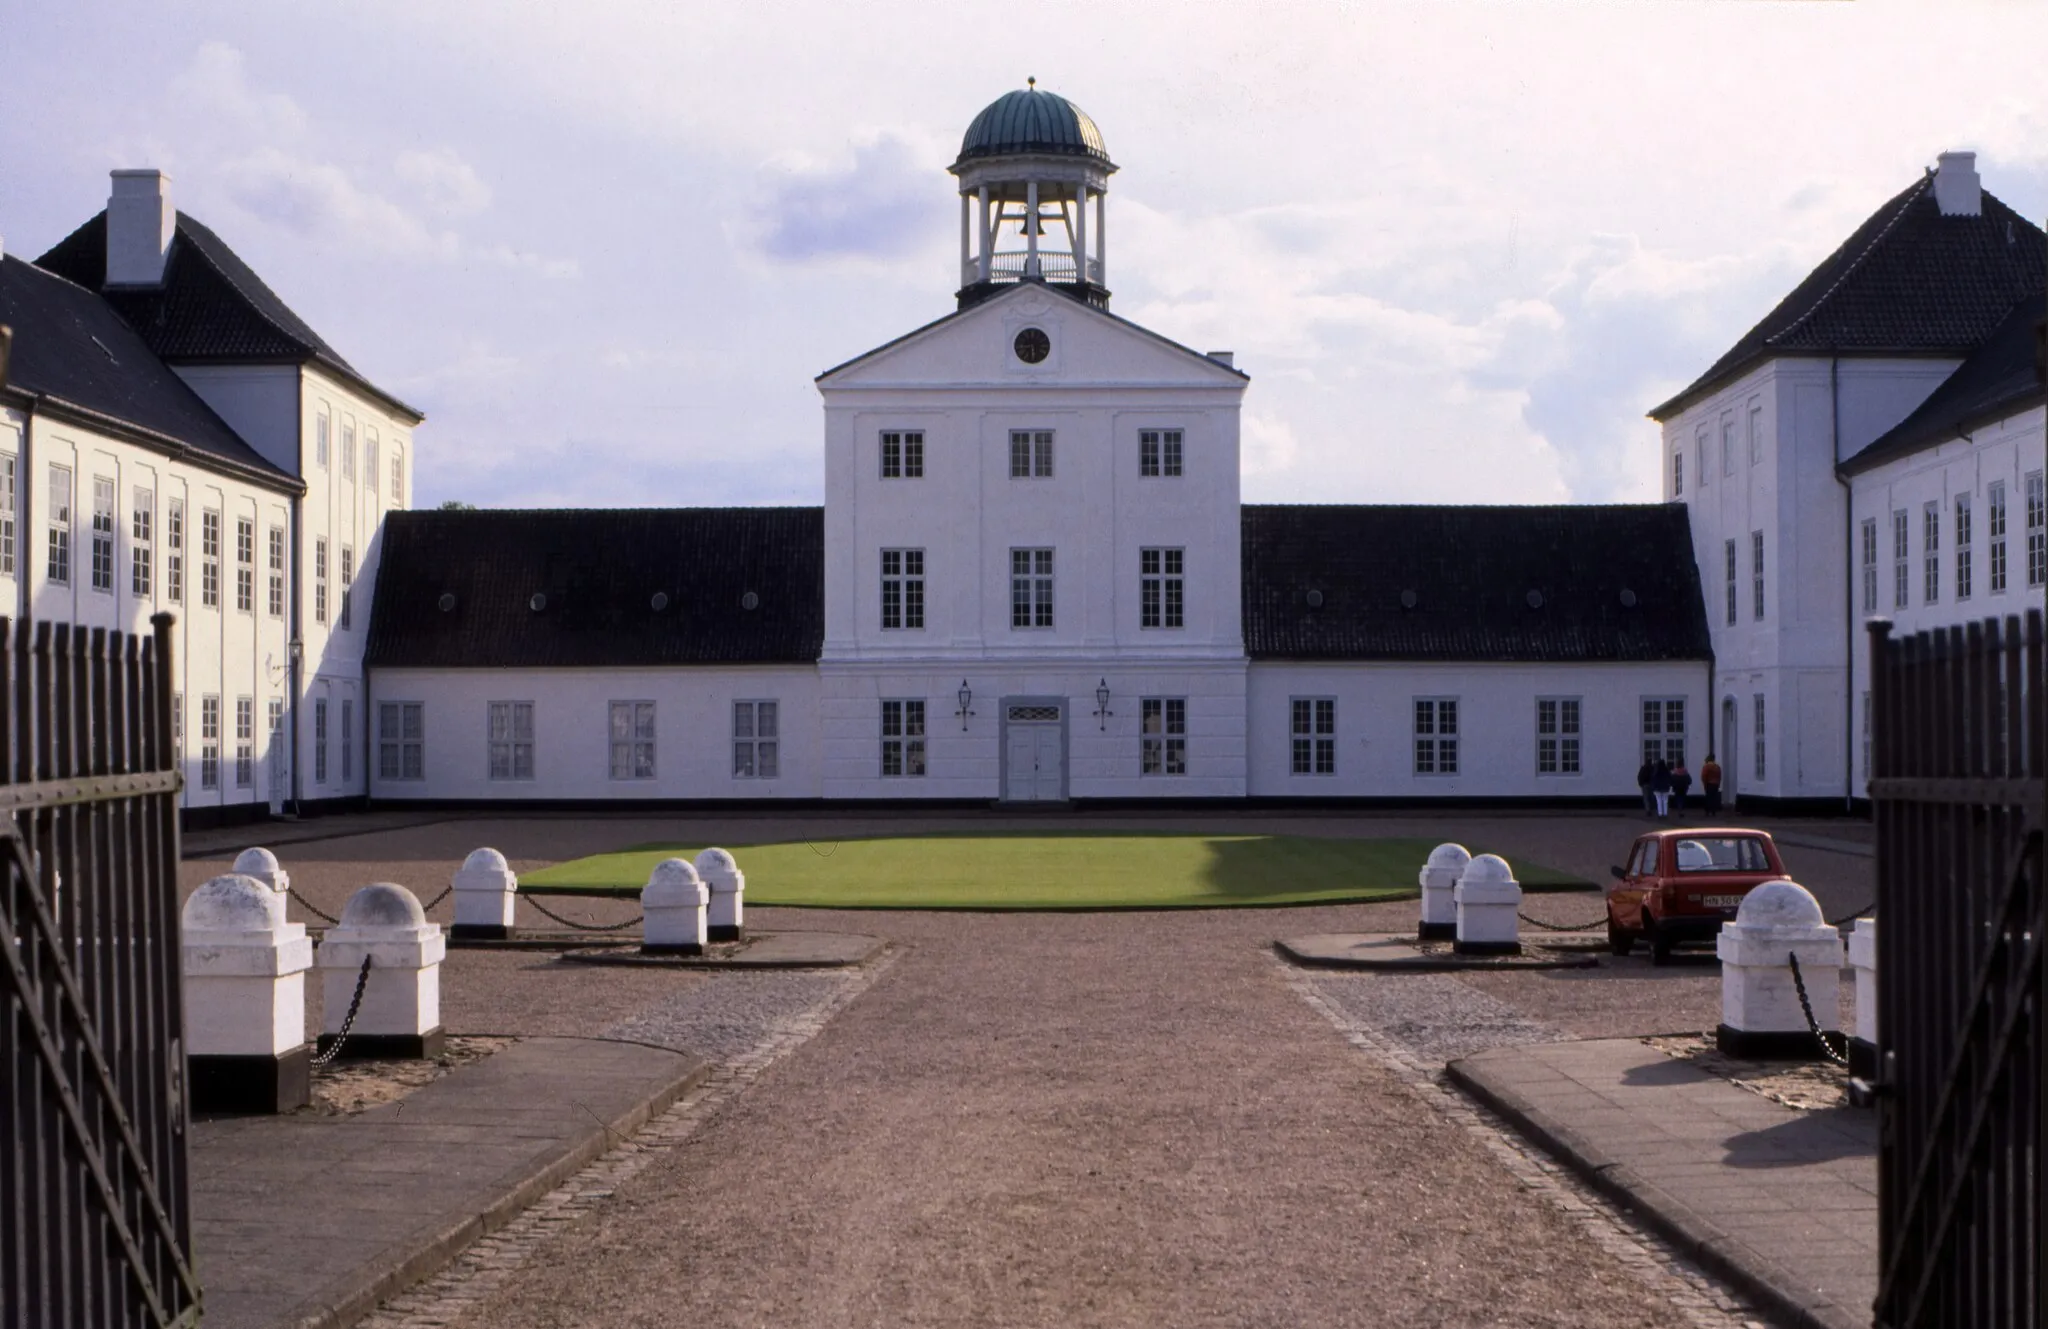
point(1034, 752)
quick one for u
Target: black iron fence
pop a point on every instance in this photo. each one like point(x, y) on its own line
point(94, 1221)
point(1959, 733)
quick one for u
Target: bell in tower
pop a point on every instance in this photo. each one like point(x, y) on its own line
point(1030, 169)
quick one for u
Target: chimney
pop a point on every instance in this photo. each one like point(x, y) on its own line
point(140, 223)
point(1957, 190)
point(1228, 359)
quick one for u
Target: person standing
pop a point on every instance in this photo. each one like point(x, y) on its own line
point(1644, 774)
point(1681, 785)
point(1660, 786)
point(1710, 785)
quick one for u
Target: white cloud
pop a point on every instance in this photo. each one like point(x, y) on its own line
point(217, 81)
point(878, 206)
point(443, 181)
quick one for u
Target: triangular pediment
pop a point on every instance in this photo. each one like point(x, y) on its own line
point(1084, 346)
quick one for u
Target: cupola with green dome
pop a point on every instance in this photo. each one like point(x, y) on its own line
point(1030, 165)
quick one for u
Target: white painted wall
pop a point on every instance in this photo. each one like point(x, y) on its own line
point(1497, 705)
point(693, 731)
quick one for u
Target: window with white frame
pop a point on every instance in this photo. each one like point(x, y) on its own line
point(1728, 562)
point(1557, 735)
point(2037, 530)
point(1756, 574)
point(1704, 457)
point(178, 728)
point(1994, 534)
point(320, 579)
point(370, 463)
point(1902, 557)
point(348, 449)
point(274, 739)
point(209, 742)
point(142, 544)
point(245, 565)
point(756, 735)
point(245, 742)
point(1727, 445)
point(1678, 474)
point(322, 426)
point(401, 740)
point(1757, 724)
point(1031, 588)
point(59, 567)
point(348, 740)
point(1162, 588)
point(348, 581)
point(1930, 551)
point(9, 486)
point(174, 550)
point(903, 589)
point(209, 558)
point(1965, 547)
point(1030, 454)
point(1664, 729)
point(1312, 721)
point(102, 534)
point(902, 454)
point(397, 476)
point(320, 740)
point(1159, 452)
point(276, 603)
point(1163, 736)
point(1869, 544)
point(903, 737)
point(511, 740)
point(1756, 434)
point(1436, 735)
point(632, 740)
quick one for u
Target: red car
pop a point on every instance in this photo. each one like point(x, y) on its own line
point(1681, 886)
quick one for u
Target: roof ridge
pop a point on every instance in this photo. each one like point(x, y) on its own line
point(1855, 265)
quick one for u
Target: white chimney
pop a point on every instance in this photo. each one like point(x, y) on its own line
point(1957, 190)
point(1228, 359)
point(140, 223)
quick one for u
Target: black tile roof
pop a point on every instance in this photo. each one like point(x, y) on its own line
point(1470, 572)
point(73, 349)
point(211, 307)
point(600, 570)
point(1909, 281)
point(1998, 380)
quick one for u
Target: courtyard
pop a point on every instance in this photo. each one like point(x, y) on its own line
point(1119, 1117)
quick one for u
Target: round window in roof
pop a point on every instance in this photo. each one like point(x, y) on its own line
point(659, 602)
point(1315, 599)
point(1535, 599)
point(537, 602)
point(1032, 345)
point(1628, 598)
point(750, 601)
point(1408, 599)
point(447, 602)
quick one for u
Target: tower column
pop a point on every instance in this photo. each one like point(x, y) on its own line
point(1101, 243)
point(1031, 229)
point(1081, 235)
point(963, 238)
point(987, 237)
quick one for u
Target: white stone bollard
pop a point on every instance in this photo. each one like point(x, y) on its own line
point(261, 864)
point(672, 909)
point(1439, 883)
point(244, 971)
point(400, 1014)
point(1863, 959)
point(1489, 901)
point(728, 890)
point(1760, 1011)
point(486, 892)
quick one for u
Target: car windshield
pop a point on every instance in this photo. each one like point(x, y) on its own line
point(1722, 853)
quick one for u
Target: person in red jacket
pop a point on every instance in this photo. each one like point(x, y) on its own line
point(1710, 785)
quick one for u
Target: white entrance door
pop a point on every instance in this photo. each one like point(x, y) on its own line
point(1035, 762)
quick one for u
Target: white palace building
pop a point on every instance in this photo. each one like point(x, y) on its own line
point(1033, 578)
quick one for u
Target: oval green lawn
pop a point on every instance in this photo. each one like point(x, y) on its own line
point(1044, 870)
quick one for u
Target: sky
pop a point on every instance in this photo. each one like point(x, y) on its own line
point(1461, 247)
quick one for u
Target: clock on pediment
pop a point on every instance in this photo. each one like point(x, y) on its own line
point(1032, 345)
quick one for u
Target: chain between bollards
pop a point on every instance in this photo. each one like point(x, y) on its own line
point(1563, 927)
point(1827, 1049)
point(349, 1021)
point(312, 908)
point(582, 927)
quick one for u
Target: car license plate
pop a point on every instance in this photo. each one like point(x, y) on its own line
point(1721, 901)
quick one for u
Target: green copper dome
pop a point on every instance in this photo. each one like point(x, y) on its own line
point(1032, 122)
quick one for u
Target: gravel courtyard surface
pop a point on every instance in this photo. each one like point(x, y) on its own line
point(1065, 1119)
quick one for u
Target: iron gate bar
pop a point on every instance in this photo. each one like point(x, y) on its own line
point(1960, 790)
point(93, 789)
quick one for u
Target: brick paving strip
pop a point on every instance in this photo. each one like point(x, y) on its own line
point(1783, 1203)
